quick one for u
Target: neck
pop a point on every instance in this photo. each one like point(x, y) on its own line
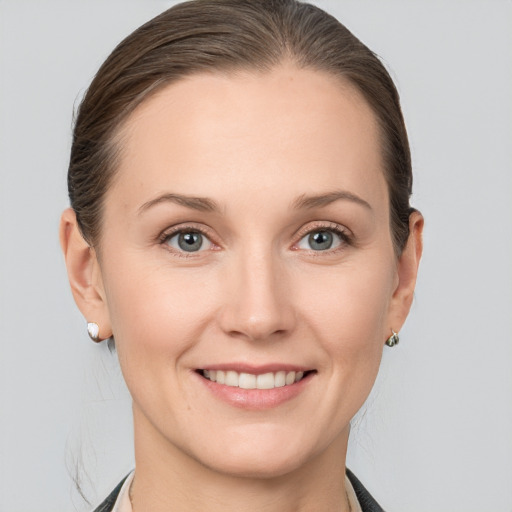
point(167, 478)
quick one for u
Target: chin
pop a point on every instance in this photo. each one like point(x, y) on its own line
point(260, 457)
point(257, 467)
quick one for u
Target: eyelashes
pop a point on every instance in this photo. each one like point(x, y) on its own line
point(187, 240)
point(191, 240)
point(323, 237)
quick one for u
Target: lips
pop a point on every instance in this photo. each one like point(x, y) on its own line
point(244, 380)
point(255, 388)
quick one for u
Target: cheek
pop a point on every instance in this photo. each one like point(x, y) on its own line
point(344, 309)
point(157, 316)
point(157, 313)
point(348, 310)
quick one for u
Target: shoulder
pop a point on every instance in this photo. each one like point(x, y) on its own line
point(366, 500)
point(109, 503)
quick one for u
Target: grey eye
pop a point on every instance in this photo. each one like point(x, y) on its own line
point(188, 241)
point(320, 240)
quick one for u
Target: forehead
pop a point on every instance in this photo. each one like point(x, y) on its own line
point(288, 129)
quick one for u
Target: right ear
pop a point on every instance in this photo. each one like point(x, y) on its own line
point(84, 274)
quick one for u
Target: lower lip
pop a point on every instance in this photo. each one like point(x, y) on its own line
point(256, 399)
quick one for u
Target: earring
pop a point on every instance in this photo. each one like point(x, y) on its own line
point(393, 339)
point(93, 331)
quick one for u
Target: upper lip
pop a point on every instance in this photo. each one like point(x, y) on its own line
point(256, 369)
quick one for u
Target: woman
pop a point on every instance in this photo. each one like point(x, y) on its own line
point(240, 226)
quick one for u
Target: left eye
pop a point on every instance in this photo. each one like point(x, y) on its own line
point(321, 240)
point(188, 241)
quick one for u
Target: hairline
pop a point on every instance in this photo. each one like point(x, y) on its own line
point(117, 140)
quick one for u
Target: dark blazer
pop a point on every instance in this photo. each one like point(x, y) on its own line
point(368, 504)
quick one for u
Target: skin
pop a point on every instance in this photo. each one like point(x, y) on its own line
point(257, 292)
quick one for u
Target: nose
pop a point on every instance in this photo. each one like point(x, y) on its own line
point(257, 300)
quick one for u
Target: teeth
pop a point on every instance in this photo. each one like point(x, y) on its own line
point(247, 381)
point(231, 379)
point(265, 381)
point(250, 381)
point(280, 379)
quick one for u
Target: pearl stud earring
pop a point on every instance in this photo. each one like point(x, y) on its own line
point(93, 331)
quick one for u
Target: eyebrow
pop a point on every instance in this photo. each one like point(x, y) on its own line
point(317, 201)
point(201, 204)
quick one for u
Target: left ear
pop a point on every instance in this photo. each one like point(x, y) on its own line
point(84, 274)
point(407, 271)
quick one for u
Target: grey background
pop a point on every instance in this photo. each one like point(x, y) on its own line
point(437, 432)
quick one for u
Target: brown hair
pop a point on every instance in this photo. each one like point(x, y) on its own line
point(228, 35)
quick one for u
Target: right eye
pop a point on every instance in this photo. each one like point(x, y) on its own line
point(188, 241)
point(320, 240)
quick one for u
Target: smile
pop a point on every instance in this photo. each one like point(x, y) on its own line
point(242, 380)
point(256, 388)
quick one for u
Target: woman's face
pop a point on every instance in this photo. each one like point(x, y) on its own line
point(246, 237)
